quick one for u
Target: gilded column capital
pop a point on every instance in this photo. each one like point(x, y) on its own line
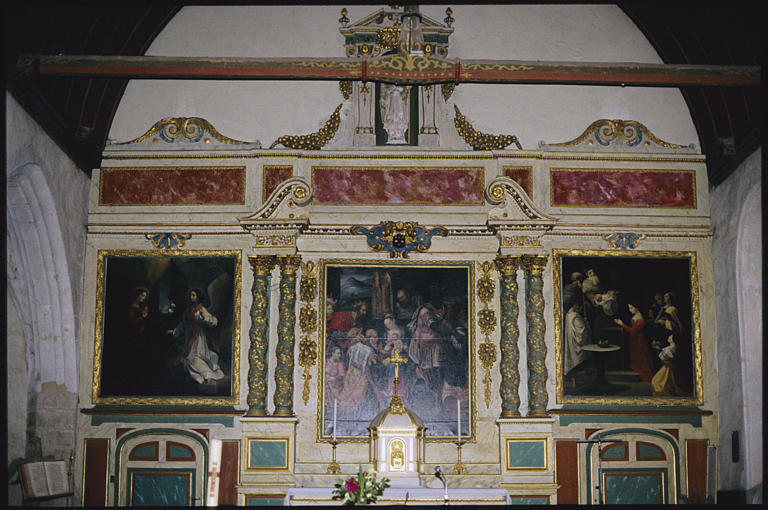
point(288, 263)
point(507, 264)
point(533, 264)
point(262, 264)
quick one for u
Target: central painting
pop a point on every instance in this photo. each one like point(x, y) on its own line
point(371, 310)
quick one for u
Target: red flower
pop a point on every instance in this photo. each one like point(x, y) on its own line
point(351, 485)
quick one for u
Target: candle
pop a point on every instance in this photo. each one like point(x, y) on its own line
point(458, 418)
point(334, 420)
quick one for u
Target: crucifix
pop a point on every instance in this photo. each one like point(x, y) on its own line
point(396, 404)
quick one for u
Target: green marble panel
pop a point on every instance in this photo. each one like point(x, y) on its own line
point(179, 452)
point(268, 454)
point(618, 451)
point(263, 501)
point(635, 486)
point(529, 500)
point(526, 454)
point(649, 452)
point(146, 451)
point(161, 487)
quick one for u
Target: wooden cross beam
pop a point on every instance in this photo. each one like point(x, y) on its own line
point(406, 69)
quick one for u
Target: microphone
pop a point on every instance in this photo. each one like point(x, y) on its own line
point(439, 473)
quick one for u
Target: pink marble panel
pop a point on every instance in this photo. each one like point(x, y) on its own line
point(388, 185)
point(172, 186)
point(623, 188)
point(522, 176)
point(273, 176)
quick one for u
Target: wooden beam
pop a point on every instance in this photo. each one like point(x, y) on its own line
point(406, 69)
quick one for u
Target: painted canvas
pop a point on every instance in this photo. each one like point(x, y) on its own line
point(627, 326)
point(167, 328)
point(372, 310)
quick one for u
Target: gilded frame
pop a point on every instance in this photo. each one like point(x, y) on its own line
point(168, 276)
point(627, 263)
point(437, 268)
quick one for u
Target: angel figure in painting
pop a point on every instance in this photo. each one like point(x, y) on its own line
point(199, 360)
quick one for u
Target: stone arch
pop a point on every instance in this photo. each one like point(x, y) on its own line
point(38, 279)
point(749, 304)
point(40, 296)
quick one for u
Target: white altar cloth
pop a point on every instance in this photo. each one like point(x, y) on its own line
point(396, 496)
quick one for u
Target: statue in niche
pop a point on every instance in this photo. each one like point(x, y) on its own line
point(394, 112)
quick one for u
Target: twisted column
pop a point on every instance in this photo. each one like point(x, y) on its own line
point(533, 265)
point(259, 334)
point(510, 354)
point(286, 335)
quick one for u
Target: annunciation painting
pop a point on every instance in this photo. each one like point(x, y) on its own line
point(167, 327)
point(424, 312)
point(627, 327)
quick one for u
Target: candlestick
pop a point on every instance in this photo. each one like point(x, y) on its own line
point(334, 423)
point(459, 468)
point(458, 418)
point(333, 467)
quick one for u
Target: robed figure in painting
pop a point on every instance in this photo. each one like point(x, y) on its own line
point(640, 359)
point(198, 359)
point(576, 337)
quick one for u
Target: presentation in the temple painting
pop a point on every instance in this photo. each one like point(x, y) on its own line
point(371, 311)
point(627, 325)
point(169, 326)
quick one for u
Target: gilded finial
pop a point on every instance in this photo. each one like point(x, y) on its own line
point(448, 18)
point(344, 20)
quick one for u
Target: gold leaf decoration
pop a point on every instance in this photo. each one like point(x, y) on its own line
point(193, 129)
point(313, 141)
point(486, 321)
point(481, 141)
point(345, 86)
point(308, 323)
point(447, 90)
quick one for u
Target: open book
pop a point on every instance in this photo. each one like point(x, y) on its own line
point(44, 479)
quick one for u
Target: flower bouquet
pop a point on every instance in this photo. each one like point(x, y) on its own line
point(360, 490)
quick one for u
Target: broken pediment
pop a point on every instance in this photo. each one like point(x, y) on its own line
point(182, 133)
point(616, 135)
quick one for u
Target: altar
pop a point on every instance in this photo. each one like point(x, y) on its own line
point(405, 496)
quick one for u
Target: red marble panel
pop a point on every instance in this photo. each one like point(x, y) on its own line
point(426, 186)
point(96, 458)
point(229, 471)
point(567, 472)
point(696, 461)
point(522, 176)
point(623, 188)
point(172, 186)
point(273, 176)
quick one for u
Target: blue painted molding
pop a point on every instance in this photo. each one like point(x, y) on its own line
point(399, 238)
point(168, 240)
point(624, 240)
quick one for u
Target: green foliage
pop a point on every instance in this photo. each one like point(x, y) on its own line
point(360, 490)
